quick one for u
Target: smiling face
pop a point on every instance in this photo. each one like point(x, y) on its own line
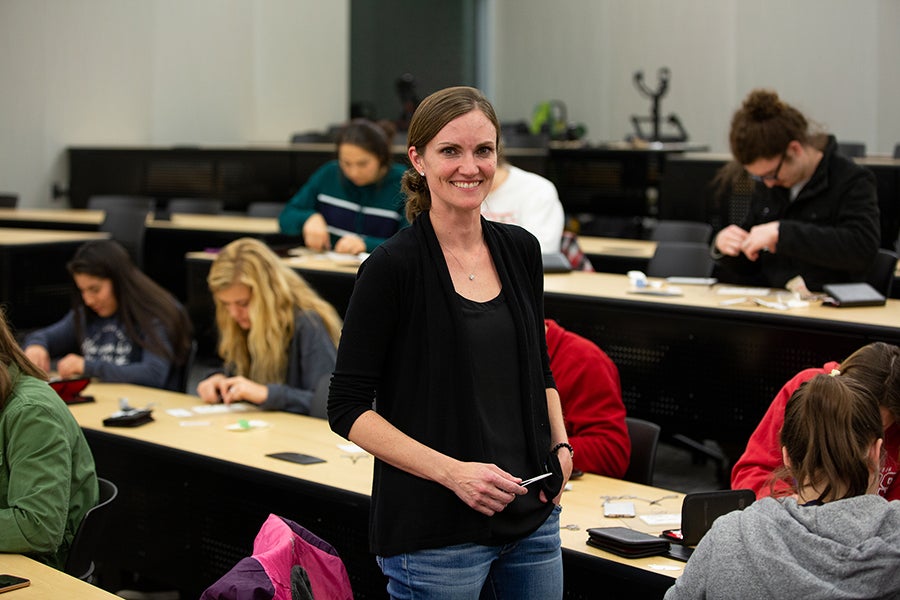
point(97, 293)
point(459, 162)
point(236, 300)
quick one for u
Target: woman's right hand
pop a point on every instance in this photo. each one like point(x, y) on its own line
point(39, 356)
point(484, 487)
point(315, 233)
point(730, 240)
point(208, 389)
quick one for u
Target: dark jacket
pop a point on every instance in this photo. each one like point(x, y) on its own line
point(829, 234)
point(402, 343)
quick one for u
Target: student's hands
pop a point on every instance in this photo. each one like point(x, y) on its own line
point(208, 389)
point(730, 240)
point(39, 356)
point(235, 389)
point(350, 244)
point(762, 238)
point(70, 365)
point(484, 487)
point(315, 233)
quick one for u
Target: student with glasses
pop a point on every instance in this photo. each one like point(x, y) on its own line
point(813, 213)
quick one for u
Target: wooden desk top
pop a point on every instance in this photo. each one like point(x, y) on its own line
point(317, 261)
point(617, 246)
point(613, 286)
point(208, 435)
point(46, 582)
point(61, 215)
point(12, 236)
point(231, 223)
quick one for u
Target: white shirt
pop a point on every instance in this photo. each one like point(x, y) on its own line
point(530, 201)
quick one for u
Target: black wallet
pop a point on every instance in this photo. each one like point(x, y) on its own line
point(625, 542)
point(129, 418)
point(853, 294)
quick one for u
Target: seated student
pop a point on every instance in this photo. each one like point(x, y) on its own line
point(277, 336)
point(354, 203)
point(877, 367)
point(47, 477)
point(591, 396)
point(124, 327)
point(529, 200)
point(833, 537)
point(813, 213)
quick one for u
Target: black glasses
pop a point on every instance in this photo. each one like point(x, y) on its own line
point(774, 175)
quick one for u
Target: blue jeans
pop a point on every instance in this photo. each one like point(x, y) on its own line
point(528, 568)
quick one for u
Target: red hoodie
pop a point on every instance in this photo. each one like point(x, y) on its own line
point(763, 454)
point(591, 395)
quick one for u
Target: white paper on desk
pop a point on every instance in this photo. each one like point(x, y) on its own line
point(214, 409)
point(351, 449)
point(662, 519)
point(727, 290)
point(179, 412)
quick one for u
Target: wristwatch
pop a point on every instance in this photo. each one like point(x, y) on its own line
point(563, 445)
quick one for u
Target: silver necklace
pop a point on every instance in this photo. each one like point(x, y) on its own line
point(471, 274)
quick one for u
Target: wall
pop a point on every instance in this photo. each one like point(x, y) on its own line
point(833, 59)
point(161, 72)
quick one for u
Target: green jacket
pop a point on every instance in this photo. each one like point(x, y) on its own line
point(47, 476)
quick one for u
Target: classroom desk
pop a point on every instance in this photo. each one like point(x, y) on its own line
point(46, 582)
point(193, 494)
point(700, 368)
point(34, 284)
point(49, 218)
point(617, 255)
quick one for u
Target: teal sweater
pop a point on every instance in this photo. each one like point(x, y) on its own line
point(374, 212)
point(47, 477)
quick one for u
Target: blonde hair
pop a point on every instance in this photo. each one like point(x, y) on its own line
point(260, 354)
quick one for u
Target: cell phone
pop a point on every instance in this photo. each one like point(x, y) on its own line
point(297, 457)
point(672, 534)
point(617, 510)
point(12, 582)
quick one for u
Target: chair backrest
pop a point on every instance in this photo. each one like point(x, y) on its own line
point(644, 441)
point(128, 225)
point(881, 274)
point(80, 562)
point(184, 375)
point(197, 206)
point(852, 149)
point(318, 406)
point(896, 150)
point(680, 259)
point(265, 209)
point(9, 200)
point(112, 202)
point(681, 231)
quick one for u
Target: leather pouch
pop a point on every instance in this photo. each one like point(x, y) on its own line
point(852, 294)
point(129, 418)
point(625, 542)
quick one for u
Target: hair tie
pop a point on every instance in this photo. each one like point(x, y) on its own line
point(835, 372)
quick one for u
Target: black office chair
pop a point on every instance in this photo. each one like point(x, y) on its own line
point(312, 137)
point(897, 151)
point(104, 202)
point(644, 442)
point(318, 406)
point(681, 231)
point(184, 375)
point(680, 259)
point(128, 226)
point(80, 562)
point(881, 275)
point(196, 206)
point(852, 149)
point(9, 200)
point(265, 209)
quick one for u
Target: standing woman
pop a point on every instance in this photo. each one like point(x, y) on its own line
point(354, 203)
point(124, 327)
point(444, 336)
point(833, 537)
point(277, 336)
point(813, 212)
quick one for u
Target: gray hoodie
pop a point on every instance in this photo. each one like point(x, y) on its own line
point(777, 549)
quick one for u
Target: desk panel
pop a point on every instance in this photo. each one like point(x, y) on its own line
point(192, 497)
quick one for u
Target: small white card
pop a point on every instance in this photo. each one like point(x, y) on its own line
point(214, 409)
point(180, 412)
point(351, 449)
point(662, 519)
